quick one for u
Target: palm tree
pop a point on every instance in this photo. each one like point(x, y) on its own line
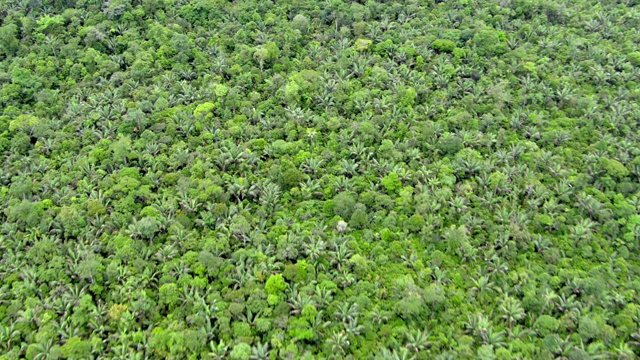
point(218, 351)
point(379, 316)
point(325, 99)
point(345, 278)
point(583, 229)
point(269, 195)
point(66, 330)
point(298, 301)
point(311, 165)
point(483, 286)
point(549, 297)
point(343, 183)
point(44, 351)
point(314, 248)
point(404, 354)
point(566, 347)
point(340, 255)
point(477, 324)
point(568, 304)
point(418, 340)
point(511, 311)
point(260, 352)
point(348, 167)
point(352, 327)
point(318, 323)
point(8, 335)
point(491, 337)
point(339, 342)
point(541, 244)
point(190, 204)
point(361, 104)
point(347, 312)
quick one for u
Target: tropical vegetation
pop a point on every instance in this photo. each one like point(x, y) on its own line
point(207, 179)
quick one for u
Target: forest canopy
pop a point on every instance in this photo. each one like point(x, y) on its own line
point(212, 179)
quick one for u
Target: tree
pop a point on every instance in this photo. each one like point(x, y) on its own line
point(511, 311)
point(489, 42)
point(392, 183)
point(338, 342)
point(76, 348)
point(418, 340)
point(275, 284)
point(613, 167)
point(168, 294)
point(300, 22)
point(241, 351)
point(546, 325)
point(443, 45)
point(344, 205)
point(260, 352)
point(204, 110)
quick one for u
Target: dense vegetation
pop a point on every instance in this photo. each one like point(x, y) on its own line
point(300, 179)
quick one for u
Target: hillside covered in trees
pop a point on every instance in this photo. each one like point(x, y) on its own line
point(256, 179)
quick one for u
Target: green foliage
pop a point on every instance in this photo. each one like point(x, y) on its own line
point(415, 223)
point(168, 294)
point(409, 97)
point(300, 22)
point(265, 179)
point(275, 284)
point(613, 167)
point(48, 23)
point(589, 328)
point(362, 44)
point(344, 204)
point(443, 45)
point(392, 183)
point(546, 325)
point(449, 144)
point(241, 351)
point(634, 58)
point(204, 110)
point(489, 42)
